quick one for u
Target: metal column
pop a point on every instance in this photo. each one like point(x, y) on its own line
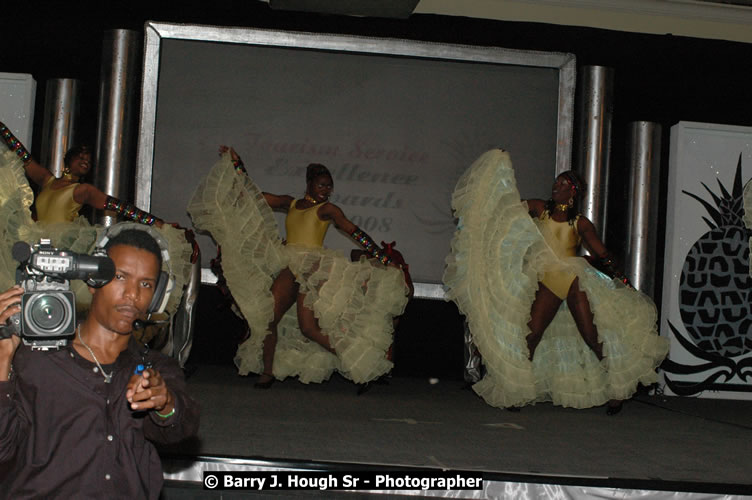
point(644, 149)
point(593, 149)
point(118, 115)
point(61, 113)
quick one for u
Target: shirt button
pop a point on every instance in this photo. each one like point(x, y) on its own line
point(107, 477)
point(109, 438)
point(71, 354)
point(95, 369)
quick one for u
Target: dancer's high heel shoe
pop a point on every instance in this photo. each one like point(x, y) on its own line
point(363, 388)
point(382, 380)
point(265, 384)
point(614, 406)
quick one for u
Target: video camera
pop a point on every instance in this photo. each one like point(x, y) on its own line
point(48, 306)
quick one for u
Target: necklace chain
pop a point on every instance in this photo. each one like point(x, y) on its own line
point(311, 199)
point(107, 376)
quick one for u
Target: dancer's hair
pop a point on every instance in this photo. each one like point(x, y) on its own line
point(75, 151)
point(314, 170)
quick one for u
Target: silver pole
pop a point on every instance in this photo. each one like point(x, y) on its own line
point(61, 113)
point(118, 113)
point(593, 151)
point(644, 161)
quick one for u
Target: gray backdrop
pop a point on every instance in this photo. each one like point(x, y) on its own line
point(396, 131)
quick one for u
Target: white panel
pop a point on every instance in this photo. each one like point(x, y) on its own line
point(718, 328)
point(17, 94)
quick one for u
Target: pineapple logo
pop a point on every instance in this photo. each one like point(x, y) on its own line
point(714, 296)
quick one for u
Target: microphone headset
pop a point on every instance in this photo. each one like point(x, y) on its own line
point(166, 280)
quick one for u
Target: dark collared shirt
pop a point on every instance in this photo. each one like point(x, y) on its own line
point(68, 434)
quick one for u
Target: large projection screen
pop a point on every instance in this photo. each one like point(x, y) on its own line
point(397, 122)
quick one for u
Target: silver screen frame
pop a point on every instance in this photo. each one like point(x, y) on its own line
point(156, 32)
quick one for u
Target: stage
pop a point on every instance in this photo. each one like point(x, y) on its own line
point(656, 443)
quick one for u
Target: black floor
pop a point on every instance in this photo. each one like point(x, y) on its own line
point(684, 444)
point(655, 443)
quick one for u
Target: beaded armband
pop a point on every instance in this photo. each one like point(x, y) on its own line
point(239, 167)
point(609, 267)
point(129, 211)
point(366, 242)
point(14, 144)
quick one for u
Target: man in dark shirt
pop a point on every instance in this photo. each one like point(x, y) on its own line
point(78, 422)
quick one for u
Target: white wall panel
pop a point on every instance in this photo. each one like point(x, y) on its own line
point(17, 94)
point(707, 312)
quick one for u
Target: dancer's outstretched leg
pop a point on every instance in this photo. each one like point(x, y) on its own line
point(542, 313)
point(579, 306)
point(309, 325)
point(284, 290)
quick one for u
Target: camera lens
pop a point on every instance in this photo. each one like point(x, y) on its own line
point(48, 312)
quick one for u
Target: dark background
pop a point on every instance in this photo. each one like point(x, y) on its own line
point(658, 78)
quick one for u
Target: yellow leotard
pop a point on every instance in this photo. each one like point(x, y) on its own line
point(564, 240)
point(57, 205)
point(304, 228)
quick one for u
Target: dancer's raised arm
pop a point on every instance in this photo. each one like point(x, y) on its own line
point(276, 201)
point(36, 172)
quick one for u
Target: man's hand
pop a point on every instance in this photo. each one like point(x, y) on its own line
point(10, 304)
point(148, 391)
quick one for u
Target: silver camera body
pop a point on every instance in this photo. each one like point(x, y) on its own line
point(48, 306)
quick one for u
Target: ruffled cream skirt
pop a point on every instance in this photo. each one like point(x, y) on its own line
point(497, 258)
point(16, 224)
point(354, 302)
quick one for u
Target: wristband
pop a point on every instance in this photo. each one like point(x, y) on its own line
point(129, 211)
point(367, 242)
point(609, 267)
point(239, 166)
point(165, 416)
point(14, 144)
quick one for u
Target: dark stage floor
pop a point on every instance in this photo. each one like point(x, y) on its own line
point(671, 443)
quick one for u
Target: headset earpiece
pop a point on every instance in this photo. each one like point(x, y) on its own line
point(92, 281)
point(162, 292)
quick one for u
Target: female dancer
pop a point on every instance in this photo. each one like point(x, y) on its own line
point(61, 198)
point(343, 315)
point(58, 205)
point(591, 352)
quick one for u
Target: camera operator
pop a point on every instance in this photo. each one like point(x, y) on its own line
point(79, 422)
